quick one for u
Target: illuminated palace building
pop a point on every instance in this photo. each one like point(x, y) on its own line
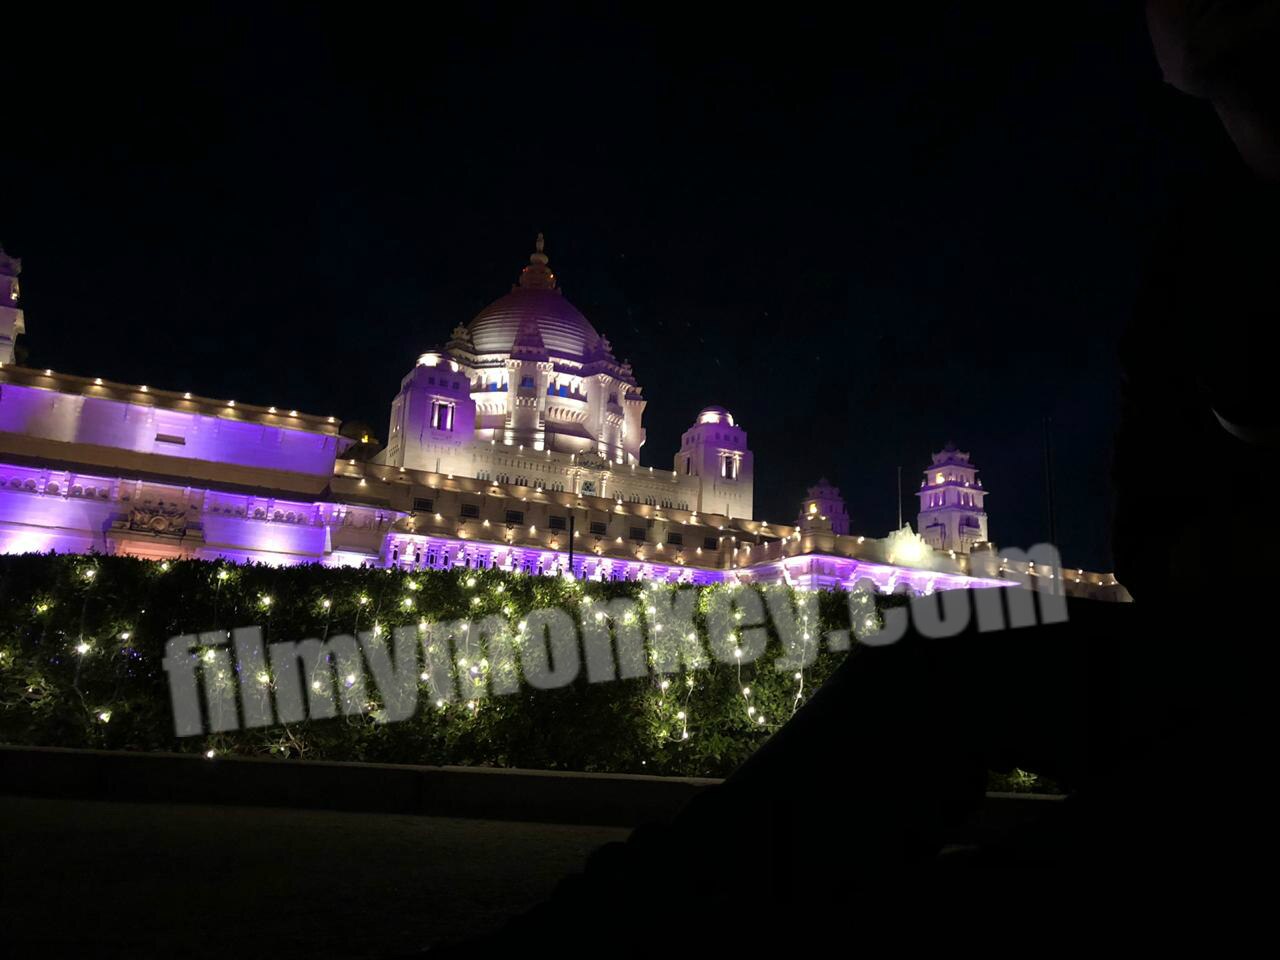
point(516, 445)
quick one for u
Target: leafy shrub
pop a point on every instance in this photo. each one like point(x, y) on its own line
point(82, 640)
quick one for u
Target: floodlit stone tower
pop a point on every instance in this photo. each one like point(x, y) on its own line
point(432, 418)
point(10, 313)
point(951, 503)
point(715, 451)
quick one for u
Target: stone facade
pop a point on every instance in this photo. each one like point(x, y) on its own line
point(516, 445)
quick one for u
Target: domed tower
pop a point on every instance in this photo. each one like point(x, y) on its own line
point(11, 323)
point(543, 378)
point(715, 451)
point(951, 503)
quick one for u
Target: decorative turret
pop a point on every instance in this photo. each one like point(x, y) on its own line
point(537, 275)
point(528, 344)
point(823, 509)
point(11, 322)
point(951, 503)
point(460, 344)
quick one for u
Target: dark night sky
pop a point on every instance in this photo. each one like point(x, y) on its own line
point(864, 237)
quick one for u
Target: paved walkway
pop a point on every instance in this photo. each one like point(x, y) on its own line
point(140, 880)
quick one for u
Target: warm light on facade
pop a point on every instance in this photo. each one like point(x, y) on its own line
point(477, 402)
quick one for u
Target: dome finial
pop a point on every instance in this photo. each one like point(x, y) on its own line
point(538, 276)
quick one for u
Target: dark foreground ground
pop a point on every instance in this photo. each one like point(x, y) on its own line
point(97, 879)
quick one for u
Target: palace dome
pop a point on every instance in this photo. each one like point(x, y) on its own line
point(565, 331)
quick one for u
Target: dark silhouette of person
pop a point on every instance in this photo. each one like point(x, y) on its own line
point(1154, 715)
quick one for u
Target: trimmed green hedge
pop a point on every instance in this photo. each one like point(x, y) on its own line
point(82, 639)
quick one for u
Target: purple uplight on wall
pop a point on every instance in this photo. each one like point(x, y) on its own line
point(143, 428)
